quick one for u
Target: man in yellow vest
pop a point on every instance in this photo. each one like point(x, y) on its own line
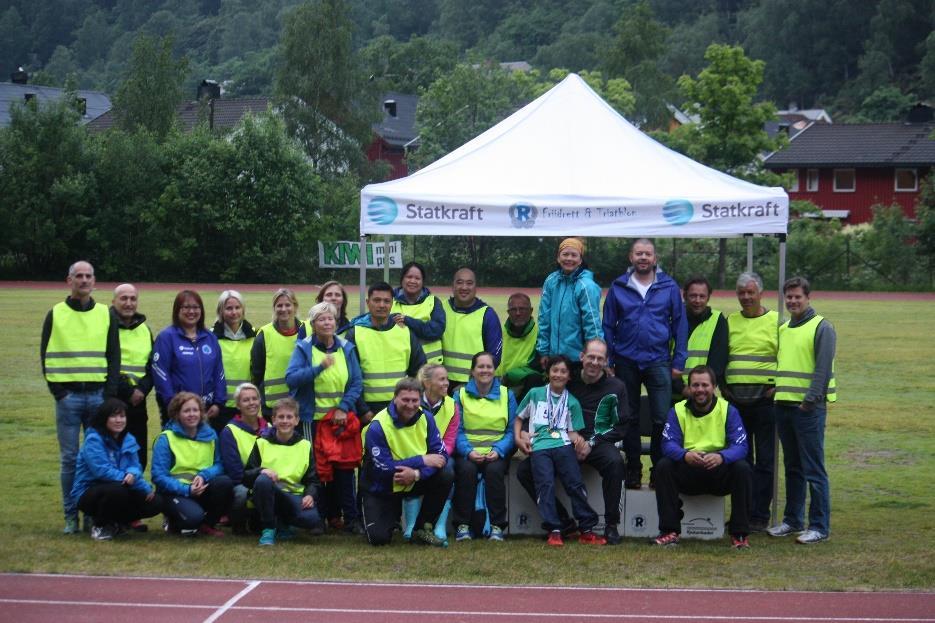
point(750, 384)
point(403, 457)
point(707, 336)
point(704, 447)
point(804, 385)
point(136, 362)
point(519, 367)
point(471, 326)
point(387, 351)
point(80, 354)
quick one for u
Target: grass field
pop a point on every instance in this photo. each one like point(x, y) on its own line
point(879, 451)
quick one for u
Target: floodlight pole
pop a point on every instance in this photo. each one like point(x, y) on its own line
point(749, 238)
point(774, 519)
point(362, 257)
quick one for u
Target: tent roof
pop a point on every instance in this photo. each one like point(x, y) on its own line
point(568, 163)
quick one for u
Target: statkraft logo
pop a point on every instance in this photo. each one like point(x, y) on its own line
point(523, 215)
point(677, 211)
point(382, 210)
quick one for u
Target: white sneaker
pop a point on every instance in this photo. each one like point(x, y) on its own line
point(811, 536)
point(102, 533)
point(782, 529)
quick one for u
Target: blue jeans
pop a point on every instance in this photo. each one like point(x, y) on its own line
point(274, 503)
point(802, 434)
point(658, 381)
point(73, 413)
point(562, 463)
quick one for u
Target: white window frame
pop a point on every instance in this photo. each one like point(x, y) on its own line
point(915, 175)
point(811, 175)
point(794, 188)
point(845, 190)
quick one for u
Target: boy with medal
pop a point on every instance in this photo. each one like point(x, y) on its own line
point(544, 429)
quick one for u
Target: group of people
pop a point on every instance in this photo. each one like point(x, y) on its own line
point(410, 414)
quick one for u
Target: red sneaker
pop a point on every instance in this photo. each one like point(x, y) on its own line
point(668, 539)
point(589, 538)
point(739, 541)
point(207, 530)
point(555, 539)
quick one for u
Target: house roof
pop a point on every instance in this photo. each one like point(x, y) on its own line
point(858, 145)
point(227, 113)
point(401, 129)
point(11, 93)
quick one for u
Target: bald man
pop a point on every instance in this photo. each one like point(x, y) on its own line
point(471, 326)
point(136, 361)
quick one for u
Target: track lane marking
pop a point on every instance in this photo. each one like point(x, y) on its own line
point(232, 601)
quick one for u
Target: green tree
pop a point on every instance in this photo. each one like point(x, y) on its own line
point(408, 66)
point(152, 87)
point(886, 104)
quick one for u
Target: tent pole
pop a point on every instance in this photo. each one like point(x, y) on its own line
point(363, 272)
point(386, 259)
point(774, 511)
point(749, 238)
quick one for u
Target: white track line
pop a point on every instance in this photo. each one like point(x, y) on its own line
point(230, 602)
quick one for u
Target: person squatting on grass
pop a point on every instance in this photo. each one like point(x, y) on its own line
point(545, 430)
point(187, 470)
point(236, 442)
point(109, 484)
point(281, 471)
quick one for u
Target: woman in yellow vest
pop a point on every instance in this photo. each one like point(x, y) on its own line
point(416, 307)
point(484, 446)
point(273, 346)
point(235, 336)
point(281, 471)
point(187, 470)
point(447, 415)
point(333, 292)
point(237, 441)
point(324, 376)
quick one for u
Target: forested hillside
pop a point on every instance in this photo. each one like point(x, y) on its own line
point(861, 60)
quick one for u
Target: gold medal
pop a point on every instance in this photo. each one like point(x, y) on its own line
point(555, 434)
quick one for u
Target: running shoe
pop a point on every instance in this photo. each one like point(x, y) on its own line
point(555, 539)
point(463, 533)
point(810, 537)
point(496, 533)
point(782, 529)
point(739, 541)
point(268, 537)
point(669, 539)
point(102, 533)
point(589, 538)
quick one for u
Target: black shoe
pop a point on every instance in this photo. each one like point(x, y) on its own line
point(759, 525)
point(634, 479)
point(613, 537)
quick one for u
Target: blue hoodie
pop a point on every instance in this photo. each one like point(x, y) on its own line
point(505, 446)
point(569, 313)
point(300, 375)
point(179, 365)
point(378, 458)
point(639, 331)
point(426, 330)
point(102, 460)
point(163, 459)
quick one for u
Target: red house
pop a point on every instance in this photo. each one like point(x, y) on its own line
point(846, 168)
point(395, 135)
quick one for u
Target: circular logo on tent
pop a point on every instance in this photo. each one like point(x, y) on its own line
point(677, 211)
point(523, 215)
point(382, 210)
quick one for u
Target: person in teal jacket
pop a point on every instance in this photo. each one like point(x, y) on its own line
point(569, 311)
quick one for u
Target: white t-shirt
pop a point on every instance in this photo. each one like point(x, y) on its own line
point(640, 287)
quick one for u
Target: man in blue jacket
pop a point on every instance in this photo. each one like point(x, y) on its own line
point(705, 444)
point(646, 333)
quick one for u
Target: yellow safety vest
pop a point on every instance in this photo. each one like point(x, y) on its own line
point(445, 414)
point(463, 338)
point(384, 358)
point(484, 420)
point(405, 441)
point(703, 434)
point(77, 348)
point(290, 462)
point(421, 311)
point(135, 347)
point(279, 349)
point(330, 384)
point(699, 343)
point(753, 346)
point(191, 456)
point(235, 356)
point(245, 441)
point(517, 351)
point(797, 362)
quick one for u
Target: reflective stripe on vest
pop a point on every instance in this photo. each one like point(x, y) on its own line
point(797, 362)
point(703, 434)
point(445, 414)
point(191, 456)
point(290, 462)
point(404, 441)
point(421, 311)
point(517, 351)
point(699, 343)
point(384, 358)
point(245, 441)
point(279, 349)
point(235, 356)
point(135, 347)
point(330, 383)
point(463, 338)
point(484, 420)
point(77, 349)
point(753, 345)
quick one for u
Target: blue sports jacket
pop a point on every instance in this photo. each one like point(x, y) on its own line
point(378, 458)
point(102, 460)
point(300, 375)
point(569, 313)
point(179, 365)
point(163, 460)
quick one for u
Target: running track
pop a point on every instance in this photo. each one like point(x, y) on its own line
point(27, 598)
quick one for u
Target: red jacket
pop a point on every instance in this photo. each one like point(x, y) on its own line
point(337, 446)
